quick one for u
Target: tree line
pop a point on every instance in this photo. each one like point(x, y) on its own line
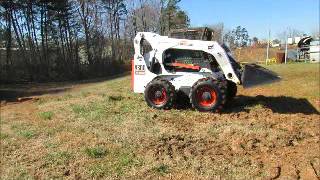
point(49, 40)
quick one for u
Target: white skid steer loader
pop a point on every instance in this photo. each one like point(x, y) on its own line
point(203, 70)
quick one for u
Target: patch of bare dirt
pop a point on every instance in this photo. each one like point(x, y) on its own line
point(279, 145)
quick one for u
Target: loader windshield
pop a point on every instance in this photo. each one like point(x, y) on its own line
point(188, 60)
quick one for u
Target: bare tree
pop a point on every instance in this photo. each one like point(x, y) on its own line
point(289, 33)
point(72, 39)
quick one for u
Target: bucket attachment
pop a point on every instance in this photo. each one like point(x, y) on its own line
point(255, 75)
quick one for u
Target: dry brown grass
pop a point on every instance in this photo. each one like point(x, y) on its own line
point(105, 131)
point(254, 54)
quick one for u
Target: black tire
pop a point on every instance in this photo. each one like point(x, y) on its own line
point(214, 101)
point(231, 90)
point(160, 94)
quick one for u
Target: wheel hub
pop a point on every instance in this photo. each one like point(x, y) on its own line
point(206, 96)
point(158, 94)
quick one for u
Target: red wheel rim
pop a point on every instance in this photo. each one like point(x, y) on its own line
point(158, 95)
point(211, 96)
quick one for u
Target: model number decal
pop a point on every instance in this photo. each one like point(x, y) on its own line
point(139, 69)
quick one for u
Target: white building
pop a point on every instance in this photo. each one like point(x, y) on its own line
point(315, 51)
point(293, 40)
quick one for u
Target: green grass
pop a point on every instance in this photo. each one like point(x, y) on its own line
point(50, 145)
point(162, 169)
point(93, 111)
point(256, 107)
point(3, 135)
point(27, 133)
point(24, 130)
point(124, 161)
point(47, 115)
point(116, 162)
point(78, 109)
point(57, 158)
point(298, 80)
point(96, 152)
point(54, 130)
point(98, 171)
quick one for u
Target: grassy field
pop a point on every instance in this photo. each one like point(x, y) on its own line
point(104, 131)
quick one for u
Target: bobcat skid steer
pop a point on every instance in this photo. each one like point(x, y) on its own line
point(203, 70)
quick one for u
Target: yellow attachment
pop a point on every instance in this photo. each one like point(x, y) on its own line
point(271, 61)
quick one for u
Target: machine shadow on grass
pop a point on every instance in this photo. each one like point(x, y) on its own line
point(279, 104)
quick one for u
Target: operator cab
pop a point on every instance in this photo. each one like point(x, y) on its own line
point(183, 60)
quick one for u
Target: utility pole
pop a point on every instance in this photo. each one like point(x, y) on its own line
point(286, 52)
point(268, 48)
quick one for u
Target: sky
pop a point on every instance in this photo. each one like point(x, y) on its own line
point(257, 16)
